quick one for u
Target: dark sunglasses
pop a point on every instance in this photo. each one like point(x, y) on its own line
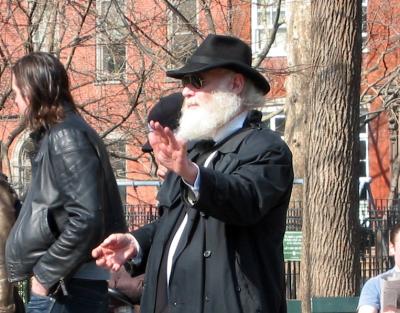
point(195, 80)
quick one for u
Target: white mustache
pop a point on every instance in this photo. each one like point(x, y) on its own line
point(188, 102)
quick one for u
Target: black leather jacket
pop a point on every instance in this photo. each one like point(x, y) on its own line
point(72, 205)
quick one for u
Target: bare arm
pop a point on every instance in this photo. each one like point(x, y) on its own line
point(367, 309)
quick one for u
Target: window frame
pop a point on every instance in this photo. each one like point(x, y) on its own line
point(171, 34)
point(117, 140)
point(42, 27)
point(364, 30)
point(363, 136)
point(103, 76)
point(276, 50)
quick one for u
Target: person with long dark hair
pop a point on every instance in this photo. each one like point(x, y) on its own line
point(73, 201)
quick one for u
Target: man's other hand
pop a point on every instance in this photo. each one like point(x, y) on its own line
point(115, 250)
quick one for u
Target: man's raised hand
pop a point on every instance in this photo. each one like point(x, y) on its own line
point(171, 152)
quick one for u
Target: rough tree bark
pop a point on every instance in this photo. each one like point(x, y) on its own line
point(330, 244)
point(297, 86)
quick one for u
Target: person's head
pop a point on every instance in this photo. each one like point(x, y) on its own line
point(167, 112)
point(394, 243)
point(41, 87)
point(219, 83)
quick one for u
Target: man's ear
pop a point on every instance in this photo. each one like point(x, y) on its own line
point(238, 82)
point(391, 249)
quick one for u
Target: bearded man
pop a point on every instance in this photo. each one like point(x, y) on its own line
point(218, 245)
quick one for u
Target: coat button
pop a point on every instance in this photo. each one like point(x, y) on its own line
point(238, 289)
point(207, 298)
point(207, 253)
point(175, 304)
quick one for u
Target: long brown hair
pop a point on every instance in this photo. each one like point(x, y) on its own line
point(393, 233)
point(44, 83)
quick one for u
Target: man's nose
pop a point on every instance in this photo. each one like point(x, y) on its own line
point(188, 91)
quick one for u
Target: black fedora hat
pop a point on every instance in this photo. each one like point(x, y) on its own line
point(226, 52)
point(167, 112)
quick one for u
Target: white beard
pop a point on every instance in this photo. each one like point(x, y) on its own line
point(204, 121)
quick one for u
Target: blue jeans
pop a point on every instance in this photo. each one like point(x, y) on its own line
point(84, 296)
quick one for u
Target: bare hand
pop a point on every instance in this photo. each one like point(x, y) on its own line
point(171, 152)
point(37, 288)
point(115, 250)
point(161, 171)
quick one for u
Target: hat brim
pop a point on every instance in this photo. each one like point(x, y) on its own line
point(146, 148)
point(192, 68)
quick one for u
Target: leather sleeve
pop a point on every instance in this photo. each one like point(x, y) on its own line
point(76, 168)
point(247, 184)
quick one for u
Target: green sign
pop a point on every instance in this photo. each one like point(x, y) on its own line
point(292, 245)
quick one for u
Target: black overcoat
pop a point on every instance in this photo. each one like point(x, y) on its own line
point(231, 260)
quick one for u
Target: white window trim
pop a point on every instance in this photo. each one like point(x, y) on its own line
point(364, 34)
point(102, 77)
point(171, 34)
point(364, 137)
point(15, 157)
point(274, 51)
point(39, 36)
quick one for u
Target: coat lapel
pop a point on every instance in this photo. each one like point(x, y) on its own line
point(192, 216)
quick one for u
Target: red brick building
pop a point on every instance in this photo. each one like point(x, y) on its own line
point(116, 53)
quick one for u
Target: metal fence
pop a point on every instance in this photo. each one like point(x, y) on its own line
point(376, 219)
point(139, 215)
point(294, 222)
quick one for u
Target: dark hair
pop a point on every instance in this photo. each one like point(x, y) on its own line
point(43, 81)
point(393, 233)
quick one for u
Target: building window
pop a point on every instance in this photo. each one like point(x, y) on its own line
point(263, 16)
point(182, 41)
point(24, 171)
point(43, 26)
point(277, 123)
point(364, 25)
point(364, 163)
point(111, 40)
point(117, 151)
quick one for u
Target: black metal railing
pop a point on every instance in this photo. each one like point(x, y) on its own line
point(376, 219)
point(294, 221)
point(139, 215)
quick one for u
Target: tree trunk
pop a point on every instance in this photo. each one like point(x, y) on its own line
point(330, 216)
point(297, 103)
point(297, 87)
